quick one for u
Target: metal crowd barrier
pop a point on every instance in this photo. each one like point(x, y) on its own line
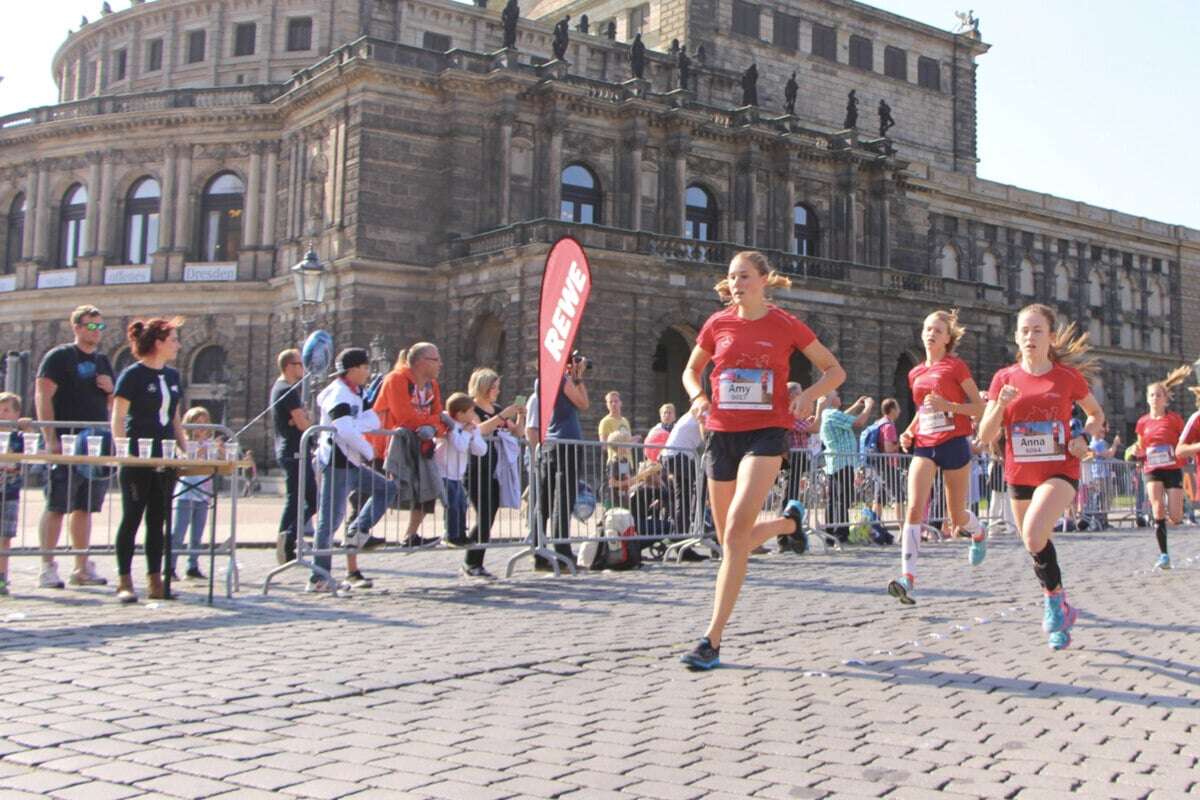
point(34, 471)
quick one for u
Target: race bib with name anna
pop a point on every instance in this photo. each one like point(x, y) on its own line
point(1038, 441)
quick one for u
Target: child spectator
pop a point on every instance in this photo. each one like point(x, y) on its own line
point(619, 468)
point(191, 501)
point(10, 486)
point(453, 452)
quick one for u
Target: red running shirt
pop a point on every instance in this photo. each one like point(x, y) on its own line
point(1037, 424)
point(945, 377)
point(1158, 438)
point(751, 361)
point(1191, 432)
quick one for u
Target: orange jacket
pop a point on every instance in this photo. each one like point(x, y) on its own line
point(396, 409)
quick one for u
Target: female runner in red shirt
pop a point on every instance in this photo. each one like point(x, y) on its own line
point(1033, 400)
point(947, 398)
point(1189, 442)
point(1158, 436)
point(748, 418)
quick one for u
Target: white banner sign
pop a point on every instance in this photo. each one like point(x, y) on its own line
point(8, 283)
point(114, 275)
point(57, 279)
point(210, 272)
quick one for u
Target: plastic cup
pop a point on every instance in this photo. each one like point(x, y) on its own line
point(168, 448)
point(231, 451)
point(121, 446)
point(32, 440)
point(95, 446)
point(67, 440)
point(3, 442)
point(145, 448)
point(193, 450)
point(212, 450)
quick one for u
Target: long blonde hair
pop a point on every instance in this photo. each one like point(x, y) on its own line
point(760, 263)
point(1195, 390)
point(1174, 378)
point(1069, 345)
point(953, 326)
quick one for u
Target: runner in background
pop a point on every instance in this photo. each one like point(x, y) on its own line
point(1158, 434)
point(1189, 446)
point(1031, 401)
point(939, 437)
point(749, 415)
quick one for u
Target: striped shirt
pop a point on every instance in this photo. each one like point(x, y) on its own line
point(841, 445)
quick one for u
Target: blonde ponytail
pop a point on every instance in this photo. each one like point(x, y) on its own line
point(760, 263)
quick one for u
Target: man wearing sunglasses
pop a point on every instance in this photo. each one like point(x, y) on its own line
point(74, 383)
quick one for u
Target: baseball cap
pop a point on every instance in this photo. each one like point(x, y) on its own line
point(350, 358)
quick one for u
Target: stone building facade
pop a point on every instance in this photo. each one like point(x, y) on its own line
point(200, 146)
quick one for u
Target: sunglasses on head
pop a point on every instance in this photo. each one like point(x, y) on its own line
point(95, 326)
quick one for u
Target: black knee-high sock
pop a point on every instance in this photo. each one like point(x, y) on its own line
point(1045, 566)
point(1160, 533)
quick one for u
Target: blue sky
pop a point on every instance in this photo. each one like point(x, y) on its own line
point(1094, 100)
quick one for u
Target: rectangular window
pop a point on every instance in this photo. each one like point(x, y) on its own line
point(786, 32)
point(244, 38)
point(824, 41)
point(89, 78)
point(196, 42)
point(435, 41)
point(745, 18)
point(862, 52)
point(895, 63)
point(299, 37)
point(120, 64)
point(154, 50)
point(1097, 253)
point(639, 20)
point(929, 73)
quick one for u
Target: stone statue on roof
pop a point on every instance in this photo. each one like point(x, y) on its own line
point(851, 120)
point(562, 36)
point(508, 19)
point(789, 95)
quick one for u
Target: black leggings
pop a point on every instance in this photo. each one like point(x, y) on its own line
point(486, 500)
point(145, 492)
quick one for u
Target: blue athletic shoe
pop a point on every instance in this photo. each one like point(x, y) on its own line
point(1060, 640)
point(977, 552)
point(705, 656)
point(795, 511)
point(901, 589)
point(1059, 614)
point(1164, 562)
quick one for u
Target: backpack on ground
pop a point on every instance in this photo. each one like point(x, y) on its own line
point(616, 555)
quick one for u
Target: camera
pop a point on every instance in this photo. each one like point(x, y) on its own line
point(578, 358)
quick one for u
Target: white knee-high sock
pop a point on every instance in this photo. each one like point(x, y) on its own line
point(910, 546)
point(973, 527)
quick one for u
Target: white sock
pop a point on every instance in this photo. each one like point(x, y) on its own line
point(910, 545)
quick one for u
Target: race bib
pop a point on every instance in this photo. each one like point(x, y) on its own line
point(1160, 455)
point(746, 390)
point(930, 421)
point(1038, 441)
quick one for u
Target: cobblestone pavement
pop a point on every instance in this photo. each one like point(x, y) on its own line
point(432, 687)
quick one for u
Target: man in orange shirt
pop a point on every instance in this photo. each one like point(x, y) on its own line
point(411, 398)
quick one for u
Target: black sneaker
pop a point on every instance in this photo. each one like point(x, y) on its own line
point(415, 541)
point(705, 656)
point(194, 573)
point(477, 572)
point(359, 581)
point(690, 554)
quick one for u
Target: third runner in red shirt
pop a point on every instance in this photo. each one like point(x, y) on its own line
point(1158, 436)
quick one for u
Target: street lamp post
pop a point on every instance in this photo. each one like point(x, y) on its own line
point(309, 278)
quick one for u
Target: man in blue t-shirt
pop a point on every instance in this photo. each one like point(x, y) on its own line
point(559, 476)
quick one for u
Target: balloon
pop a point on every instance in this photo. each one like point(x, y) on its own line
point(317, 353)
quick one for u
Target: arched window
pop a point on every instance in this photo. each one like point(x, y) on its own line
point(670, 357)
point(700, 215)
point(804, 231)
point(16, 233)
point(1156, 340)
point(580, 195)
point(141, 221)
point(1096, 332)
point(1126, 336)
point(208, 367)
point(987, 269)
point(1125, 287)
point(209, 386)
point(949, 261)
point(1095, 289)
point(1062, 283)
point(490, 341)
point(1026, 283)
point(72, 230)
point(221, 231)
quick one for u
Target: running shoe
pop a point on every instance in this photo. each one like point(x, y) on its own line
point(322, 586)
point(194, 573)
point(87, 576)
point(977, 551)
point(1059, 640)
point(49, 579)
point(477, 572)
point(359, 581)
point(1164, 562)
point(795, 511)
point(1059, 615)
point(901, 589)
point(705, 656)
point(420, 541)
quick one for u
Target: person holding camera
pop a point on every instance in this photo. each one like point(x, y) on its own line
point(558, 481)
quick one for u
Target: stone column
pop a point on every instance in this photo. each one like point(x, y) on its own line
point(789, 212)
point(41, 250)
point(107, 207)
point(677, 148)
point(846, 214)
point(94, 189)
point(31, 205)
point(747, 183)
point(339, 166)
point(101, 67)
point(553, 183)
point(635, 143)
point(80, 77)
point(183, 198)
point(250, 227)
point(270, 200)
point(504, 164)
point(166, 207)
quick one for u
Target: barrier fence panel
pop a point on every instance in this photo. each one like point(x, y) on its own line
point(75, 463)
